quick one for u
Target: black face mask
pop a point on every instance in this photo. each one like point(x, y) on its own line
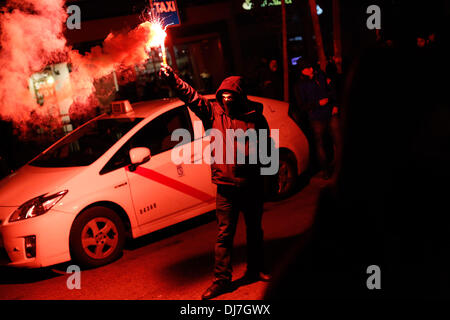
point(232, 108)
point(229, 105)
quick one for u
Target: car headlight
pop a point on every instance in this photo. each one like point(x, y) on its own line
point(36, 206)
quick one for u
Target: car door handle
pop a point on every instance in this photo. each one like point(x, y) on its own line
point(120, 185)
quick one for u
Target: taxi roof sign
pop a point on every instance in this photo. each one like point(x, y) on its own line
point(121, 107)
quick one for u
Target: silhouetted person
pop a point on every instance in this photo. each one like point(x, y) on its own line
point(421, 41)
point(431, 41)
point(316, 96)
point(272, 81)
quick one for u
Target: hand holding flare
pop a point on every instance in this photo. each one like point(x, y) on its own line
point(166, 73)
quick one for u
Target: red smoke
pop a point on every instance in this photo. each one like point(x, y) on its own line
point(118, 51)
point(32, 38)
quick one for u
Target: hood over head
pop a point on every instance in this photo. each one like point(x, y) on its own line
point(233, 84)
point(236, 84)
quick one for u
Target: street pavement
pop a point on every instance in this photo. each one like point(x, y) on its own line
point(172, 264)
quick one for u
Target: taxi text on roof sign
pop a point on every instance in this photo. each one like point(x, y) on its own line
point(167, 10)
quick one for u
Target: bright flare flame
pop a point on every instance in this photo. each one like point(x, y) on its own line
point(50, 80)
point(157, 37)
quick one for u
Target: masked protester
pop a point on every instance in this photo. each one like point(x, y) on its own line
point(239, 186)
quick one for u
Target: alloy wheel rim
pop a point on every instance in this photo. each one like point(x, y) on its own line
point(99, 238)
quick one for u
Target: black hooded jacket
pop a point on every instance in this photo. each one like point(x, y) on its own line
point(308, 93)
point(247, 115)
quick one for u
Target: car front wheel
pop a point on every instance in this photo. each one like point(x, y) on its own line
point(97, 237)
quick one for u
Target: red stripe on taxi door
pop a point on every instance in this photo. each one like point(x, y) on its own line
point(172, 183)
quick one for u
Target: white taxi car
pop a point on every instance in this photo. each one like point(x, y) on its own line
point(83, 196)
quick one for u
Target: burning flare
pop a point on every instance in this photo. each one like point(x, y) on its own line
point(157, 37)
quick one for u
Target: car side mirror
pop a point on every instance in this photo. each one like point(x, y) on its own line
point(139, 156)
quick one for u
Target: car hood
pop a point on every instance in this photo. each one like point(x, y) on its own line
point(29, 182)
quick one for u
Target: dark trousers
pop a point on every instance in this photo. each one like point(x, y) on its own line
point(229, 202)
point(320, 129)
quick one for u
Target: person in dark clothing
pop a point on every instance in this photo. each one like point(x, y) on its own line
point(431, 41)
point(421, 40)
point(334, 80)
point(315, 96)
point(239, 186)
point(271, 81)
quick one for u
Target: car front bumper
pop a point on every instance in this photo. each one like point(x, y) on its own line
point(51, 230)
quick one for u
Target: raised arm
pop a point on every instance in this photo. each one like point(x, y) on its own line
point(195, 101)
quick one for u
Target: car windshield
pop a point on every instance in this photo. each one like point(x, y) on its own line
point(86, 144)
